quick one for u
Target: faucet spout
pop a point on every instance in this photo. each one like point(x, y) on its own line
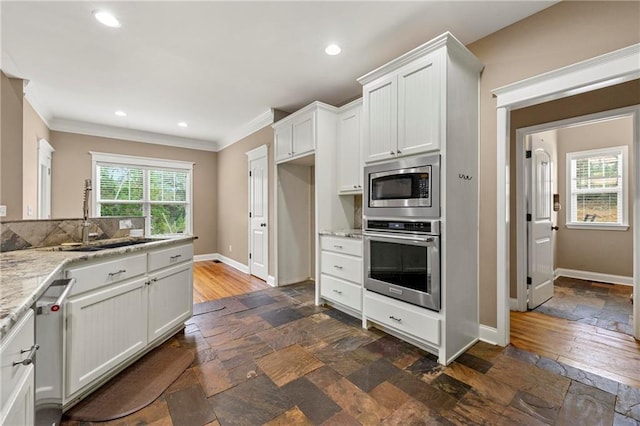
point(85, 211)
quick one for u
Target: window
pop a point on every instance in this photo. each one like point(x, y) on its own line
point(159, 190)
point(596, 182)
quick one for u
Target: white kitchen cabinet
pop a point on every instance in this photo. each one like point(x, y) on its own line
point(17, 390)
point(104, 328)
point(341, 272)
point(295, 136)
point(403, 109)
point(350, 167)
point(170, 299)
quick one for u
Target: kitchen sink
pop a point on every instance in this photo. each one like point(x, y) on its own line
point(98, 247)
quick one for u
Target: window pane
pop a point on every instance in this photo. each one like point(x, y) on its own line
point(168, 219)
point(120, 183)
point(597, 208)
point(120, 209)
point(168, 185)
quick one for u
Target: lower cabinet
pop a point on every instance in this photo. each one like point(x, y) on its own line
point(17, 392)
point(111, 323)
point(341, 273)
point(170, 300)
point(104, 328)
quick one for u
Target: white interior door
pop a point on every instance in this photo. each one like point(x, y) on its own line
point(540, 228)
point(45, 150)
point(258, 213)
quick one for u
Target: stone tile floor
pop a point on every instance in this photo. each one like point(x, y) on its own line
point(603, 305)
point(273, 357)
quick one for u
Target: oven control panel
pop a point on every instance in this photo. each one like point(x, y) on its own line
point(422, 227)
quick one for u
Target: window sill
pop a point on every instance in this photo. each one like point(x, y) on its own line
point(598, 226)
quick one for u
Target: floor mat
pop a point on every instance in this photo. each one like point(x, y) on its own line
point(134, 388)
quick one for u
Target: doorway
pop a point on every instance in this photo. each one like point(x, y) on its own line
point(574, 216)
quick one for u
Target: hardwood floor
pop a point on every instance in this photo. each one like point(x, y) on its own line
point(212, 281)
point(603, 352)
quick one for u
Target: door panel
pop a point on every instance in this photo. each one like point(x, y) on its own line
point(540, 227)
point(259, 211)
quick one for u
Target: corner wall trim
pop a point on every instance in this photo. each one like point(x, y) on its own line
point(224, 259)
point(488, 334)
point(271, 280)
point(594, 276)
point(513, 304)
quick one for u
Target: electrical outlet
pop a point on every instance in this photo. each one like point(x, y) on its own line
point(126, 224)
point(3, 211)
point(230, 248)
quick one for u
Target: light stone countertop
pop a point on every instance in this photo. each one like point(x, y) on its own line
point(347, 233)
point(26, 274)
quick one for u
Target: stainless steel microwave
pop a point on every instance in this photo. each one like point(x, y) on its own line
point(408, 187)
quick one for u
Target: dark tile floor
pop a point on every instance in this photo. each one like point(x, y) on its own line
point(603, 305)
point(274, 358)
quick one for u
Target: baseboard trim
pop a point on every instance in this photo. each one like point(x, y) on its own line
point(271, 280)
point(594, 276)
point(233, 263)
point(513, 304)
point(488, 334)
point(205, 257)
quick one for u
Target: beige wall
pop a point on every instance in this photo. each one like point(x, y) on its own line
point(233, 198)
point(561, 35)
point(606, 252)
point(34, 129)
point(11, 98)
point(71, 165)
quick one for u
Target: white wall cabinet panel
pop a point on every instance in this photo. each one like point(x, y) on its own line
point(170, 300)
point(380, 104)
point(419, 106)
point(104, 328)
point(349, 150)
point(284, 142)
point(17, 391)
point(295, 137)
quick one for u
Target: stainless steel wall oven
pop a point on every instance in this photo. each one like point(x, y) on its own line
point(402, 260)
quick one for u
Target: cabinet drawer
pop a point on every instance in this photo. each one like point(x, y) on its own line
point(97, 275)
point(20, 338)
point(341, 266)
point(342, 245)
point(341, 291)
point(401, 316)
point(170, 256)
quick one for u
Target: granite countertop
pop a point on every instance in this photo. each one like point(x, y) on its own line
point(348, 233)
point(26, 274)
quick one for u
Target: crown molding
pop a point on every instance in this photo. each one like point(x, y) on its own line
point(259, 122)
point(84, 128)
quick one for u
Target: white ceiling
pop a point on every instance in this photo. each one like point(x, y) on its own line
point(216, 65)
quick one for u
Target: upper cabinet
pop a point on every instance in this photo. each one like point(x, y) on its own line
point(348, 148)
point(404, 101)
point(295, 136)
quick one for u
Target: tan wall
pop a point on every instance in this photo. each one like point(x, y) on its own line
point(34, 129)
point(606, 252)
point(71, 165)
point(11, 98)
point(233, 198)
point(561, 35)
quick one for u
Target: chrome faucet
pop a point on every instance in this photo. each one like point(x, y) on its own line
point(85, 211)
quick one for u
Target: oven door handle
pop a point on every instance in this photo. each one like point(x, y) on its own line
point(415, 239)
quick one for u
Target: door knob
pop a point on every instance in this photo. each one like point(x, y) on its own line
point(554, 228)
point(263, 224)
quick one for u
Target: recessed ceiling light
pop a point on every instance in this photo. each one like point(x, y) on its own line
point(182, 124)
point(106, 18)
point(121, 113)
point(332, 49)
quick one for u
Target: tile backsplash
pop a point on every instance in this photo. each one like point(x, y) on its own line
point(24, 234)
point(357, 212)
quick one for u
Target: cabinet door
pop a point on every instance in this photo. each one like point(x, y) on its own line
point(283, 142)
point(170, 299)
point(419, 106)
point(304, 134)
point(349, 155)
point(380, 107)
point(104, 328)
point(21, 408)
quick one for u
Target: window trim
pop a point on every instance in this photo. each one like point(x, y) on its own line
point(98, 158)
point(624, 209)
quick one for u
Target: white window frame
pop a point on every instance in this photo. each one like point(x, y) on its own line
point(623, 208)
point(99, 158)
